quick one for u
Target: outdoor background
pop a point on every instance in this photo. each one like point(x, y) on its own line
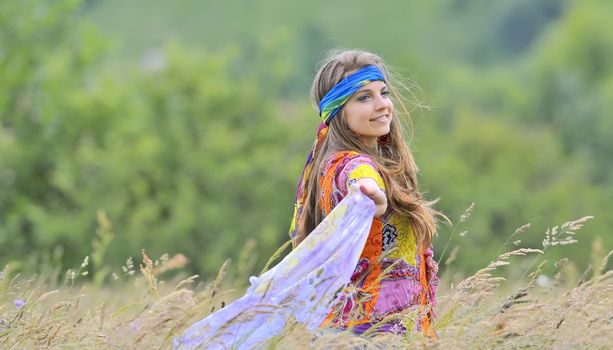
point(182, 126)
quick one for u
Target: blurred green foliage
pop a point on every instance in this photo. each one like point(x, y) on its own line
point(190, 131)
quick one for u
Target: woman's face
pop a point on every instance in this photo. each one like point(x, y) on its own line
point(368, 112)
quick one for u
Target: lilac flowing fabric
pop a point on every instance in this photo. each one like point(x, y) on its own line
point(300, 287)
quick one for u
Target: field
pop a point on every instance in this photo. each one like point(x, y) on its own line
point(509, 304)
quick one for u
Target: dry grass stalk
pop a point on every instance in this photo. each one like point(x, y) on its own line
point(478, 313)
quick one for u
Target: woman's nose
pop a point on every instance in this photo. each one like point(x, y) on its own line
point(382, 102)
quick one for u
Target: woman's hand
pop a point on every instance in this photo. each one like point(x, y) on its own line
point(371, 189)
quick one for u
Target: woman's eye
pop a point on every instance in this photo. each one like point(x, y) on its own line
point(363, 98)
point(385, 93)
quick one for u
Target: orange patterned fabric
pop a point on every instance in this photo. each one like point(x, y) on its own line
point(372, 249)
point(410, 277)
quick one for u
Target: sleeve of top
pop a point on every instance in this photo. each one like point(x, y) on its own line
point(359, 167)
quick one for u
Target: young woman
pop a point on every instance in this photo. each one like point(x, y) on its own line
point(360, 142)
point(359, 147)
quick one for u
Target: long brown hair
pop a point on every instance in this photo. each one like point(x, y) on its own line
point(393, 158)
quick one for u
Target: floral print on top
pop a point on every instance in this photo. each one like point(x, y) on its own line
point(390, 276)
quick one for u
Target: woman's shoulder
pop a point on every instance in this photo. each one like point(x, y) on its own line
point(347, 167)
point(341, 159)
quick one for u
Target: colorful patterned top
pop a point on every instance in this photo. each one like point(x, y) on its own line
point(390, 276)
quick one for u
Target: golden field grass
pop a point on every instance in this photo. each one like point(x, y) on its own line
point(508, 304)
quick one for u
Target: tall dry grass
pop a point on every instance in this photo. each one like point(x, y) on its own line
point(136, 308)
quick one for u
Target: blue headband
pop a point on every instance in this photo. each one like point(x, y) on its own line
point(341, 92)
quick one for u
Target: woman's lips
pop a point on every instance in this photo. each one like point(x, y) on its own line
point(381, 119)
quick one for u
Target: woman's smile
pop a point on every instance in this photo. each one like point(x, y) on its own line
point(381, 119)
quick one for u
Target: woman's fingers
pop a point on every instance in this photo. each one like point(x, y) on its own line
point(371, 189)
point(368, 190)
point(368, 186)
